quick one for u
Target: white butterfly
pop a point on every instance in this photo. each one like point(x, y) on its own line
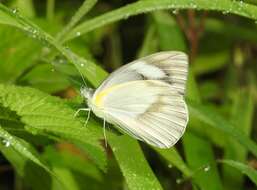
point(145, 98)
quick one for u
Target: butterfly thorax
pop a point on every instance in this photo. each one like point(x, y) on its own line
point(88, 94)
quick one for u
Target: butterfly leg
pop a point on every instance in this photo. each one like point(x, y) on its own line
point(88, 115)
point(105, 139)
point(80, 109)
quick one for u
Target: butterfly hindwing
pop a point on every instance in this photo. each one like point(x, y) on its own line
point(149, 110)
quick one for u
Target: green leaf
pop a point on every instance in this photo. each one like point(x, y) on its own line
point(28, 170)
point(247, 170)
point(42, 114)
point(134, 166)
point(66, 177)
point(139, 7)
point(66, 159)
point(12, 53)
point(45, 78)
point(21, 147)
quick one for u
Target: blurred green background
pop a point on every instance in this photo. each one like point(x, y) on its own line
point(45, 45)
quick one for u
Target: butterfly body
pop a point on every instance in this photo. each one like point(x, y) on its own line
point(145, 98)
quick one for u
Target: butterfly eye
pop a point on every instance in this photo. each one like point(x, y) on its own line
point(83, 89)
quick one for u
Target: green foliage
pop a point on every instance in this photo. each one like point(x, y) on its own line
point(42, 61)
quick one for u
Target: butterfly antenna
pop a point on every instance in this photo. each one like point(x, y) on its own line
point(83, 79)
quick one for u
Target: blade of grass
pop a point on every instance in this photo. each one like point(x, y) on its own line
point(26, 7)
point(173, 158)
point(242, 115)
point(200, 157)
point(212, 118)
point(247, 170)
point(83, 10)
point(139, 7)
point(169, 34)
point(195, 147)
point(133, 164)
point(50, 4)
point(149, 44)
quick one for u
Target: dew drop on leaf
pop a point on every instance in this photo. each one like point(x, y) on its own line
point(206, 168)
point(78, 33)
point(15, 11)
point(170, 166)
point(175, 11)
point(6, 143)
point(225, 12)
point(179, 181)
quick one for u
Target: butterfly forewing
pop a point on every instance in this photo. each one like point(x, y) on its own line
point(170, 67)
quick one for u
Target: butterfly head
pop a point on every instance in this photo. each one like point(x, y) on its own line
point(87, 92)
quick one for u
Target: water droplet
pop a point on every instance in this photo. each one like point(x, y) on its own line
point(179, 181)
point(52, 70)
point(82, 64)
point(170, 166)
point(78, 33)
point(225, 12)
point(206, 168)
point(114, 149)
point(6, 143)
point(15, 11)
point(175, 11)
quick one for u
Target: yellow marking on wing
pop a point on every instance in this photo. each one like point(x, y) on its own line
point(98, 100)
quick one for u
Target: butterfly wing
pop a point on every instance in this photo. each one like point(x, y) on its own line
point(149, 110)
point(169, 66)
